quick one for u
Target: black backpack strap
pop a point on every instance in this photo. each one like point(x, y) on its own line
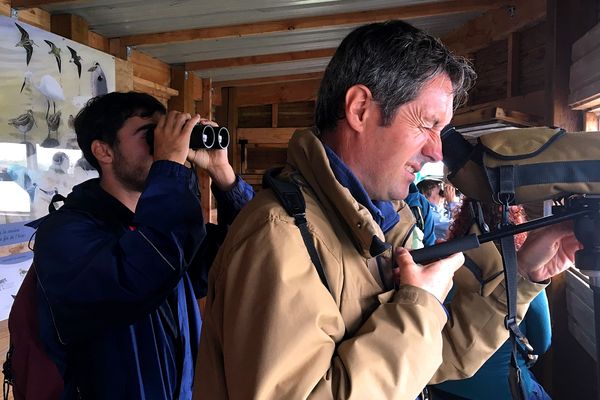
point(518, 340)
point(291, 198)
point(418, 213)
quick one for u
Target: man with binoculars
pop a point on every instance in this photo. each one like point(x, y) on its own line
point(121, 264)
point(369, 324)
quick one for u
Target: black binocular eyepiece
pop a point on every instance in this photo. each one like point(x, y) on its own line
point(203, 137)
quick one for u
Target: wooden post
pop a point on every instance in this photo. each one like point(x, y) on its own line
point(70, 26)
point(123, 75)
point(512, 79)
point(205, 181)
point(181, 81)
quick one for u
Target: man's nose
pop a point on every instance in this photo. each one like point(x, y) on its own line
point(433, 149)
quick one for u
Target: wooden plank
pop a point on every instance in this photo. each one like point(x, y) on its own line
point(271, 79)
point(203, 177)
point(496, 114)
point(266, 135)
point(115, 48)
point(36, 3)
point(183, 101)
point(351, 18)
point(70, 26)
point(150, 68)
point(32, 16)
point(207, 95)
point(259, 59)
point(163, 91)
point(98, 42)
point(512, 84)
point(494, 25)
point(196, 87)
point(585, 71)
point(586, 43)
point(277, 93)
point(274, 115)
point(531, 103)
point(229, 101)
point(123, 75)
point(591, 123)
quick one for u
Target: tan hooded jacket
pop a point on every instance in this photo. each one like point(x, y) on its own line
point(273, 331)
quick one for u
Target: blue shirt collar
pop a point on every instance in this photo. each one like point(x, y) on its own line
point(383, 212)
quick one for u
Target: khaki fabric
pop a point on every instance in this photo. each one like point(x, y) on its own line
point(272, 331)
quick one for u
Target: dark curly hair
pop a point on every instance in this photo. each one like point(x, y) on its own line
point(104, 115)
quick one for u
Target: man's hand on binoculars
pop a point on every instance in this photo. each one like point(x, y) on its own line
point(215, 162)
point(435, 278)
point(172, 136)
point(547, 252)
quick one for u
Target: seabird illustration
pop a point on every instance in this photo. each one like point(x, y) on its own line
point(54, 50)
point(75, 59)
point(49, 87)
point(98, 80)
point(25, 42)
point(24, 123)
point(53, 122)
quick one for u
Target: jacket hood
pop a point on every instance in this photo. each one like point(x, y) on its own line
point(306, 154)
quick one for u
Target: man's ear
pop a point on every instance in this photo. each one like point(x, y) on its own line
point(359, 106)
point(102, 151)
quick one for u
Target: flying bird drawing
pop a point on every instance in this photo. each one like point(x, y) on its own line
point(75, 59)
point(98, 80)
point(54, 50)
point(25, 42)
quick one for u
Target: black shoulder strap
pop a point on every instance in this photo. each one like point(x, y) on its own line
point(292, 200)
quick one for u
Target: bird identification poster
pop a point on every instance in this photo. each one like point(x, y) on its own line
point(45, 80)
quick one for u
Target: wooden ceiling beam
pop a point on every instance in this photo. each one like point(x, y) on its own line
point(495, 25)
point(258, 59)
point(267, 80)
point(257, 28)
point(35, 3)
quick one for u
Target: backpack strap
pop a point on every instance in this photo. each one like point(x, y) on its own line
point(292, 200)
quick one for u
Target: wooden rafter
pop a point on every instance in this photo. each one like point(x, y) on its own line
point(495, 25)
point(267, 80)
point(35, 3)
point(259, 59)
point(257, 28)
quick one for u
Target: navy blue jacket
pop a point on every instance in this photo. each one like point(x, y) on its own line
point(117, 307)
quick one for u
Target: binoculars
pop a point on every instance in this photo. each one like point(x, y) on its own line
point(203, 137)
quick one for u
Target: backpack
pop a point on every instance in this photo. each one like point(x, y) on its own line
point(28, 368)
point(523, 165)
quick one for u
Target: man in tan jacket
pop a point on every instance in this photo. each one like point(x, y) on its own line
point(273, 330)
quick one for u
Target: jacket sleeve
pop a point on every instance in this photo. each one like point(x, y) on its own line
point(475, 329)
point(95, 277)
point(229, 204)
point(273, 331)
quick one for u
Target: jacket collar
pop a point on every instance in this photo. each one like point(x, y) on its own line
point(308, 156)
